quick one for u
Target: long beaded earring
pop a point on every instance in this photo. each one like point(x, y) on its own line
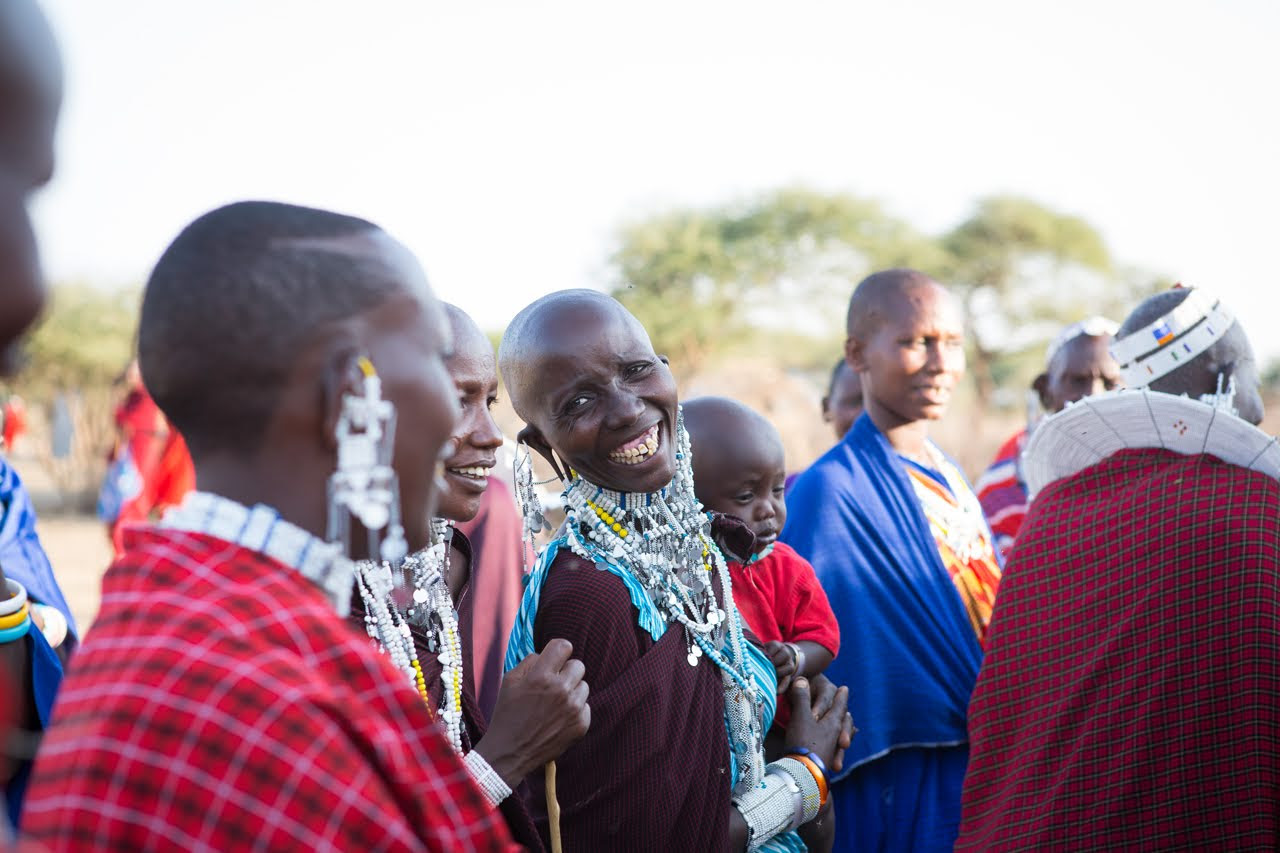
point(534, 522)
point(365, 485)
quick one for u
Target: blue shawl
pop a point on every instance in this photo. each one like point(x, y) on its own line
point(907, 651)
point(21, 553)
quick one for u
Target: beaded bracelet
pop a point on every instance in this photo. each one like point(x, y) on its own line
point(14, 618)
point(17, 598)
point(814, 765)
point(8, 635)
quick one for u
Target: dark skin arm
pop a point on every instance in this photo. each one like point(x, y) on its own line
point(816, 659)
point(820, 722)
point(15, 671)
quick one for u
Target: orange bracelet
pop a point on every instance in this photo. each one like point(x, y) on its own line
point(817, 775)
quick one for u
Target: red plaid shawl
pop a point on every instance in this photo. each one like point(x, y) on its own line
point(219, 703)
point(1130, 696)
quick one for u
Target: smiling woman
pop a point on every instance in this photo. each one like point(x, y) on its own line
point(639, 584)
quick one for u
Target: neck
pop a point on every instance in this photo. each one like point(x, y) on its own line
point(277, 479)
point(906, 437)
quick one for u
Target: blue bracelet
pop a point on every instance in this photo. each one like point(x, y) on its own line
point(17, 632)
point(812, 756)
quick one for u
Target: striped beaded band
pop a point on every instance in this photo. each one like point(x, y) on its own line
point(1197, 323)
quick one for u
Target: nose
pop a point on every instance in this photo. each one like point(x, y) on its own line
point(1097, 385)
point(487, 434)
point(624, 409)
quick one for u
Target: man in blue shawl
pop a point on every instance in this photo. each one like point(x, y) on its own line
point(30, 670)
point(899, 542)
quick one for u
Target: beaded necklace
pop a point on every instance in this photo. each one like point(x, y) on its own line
point(432, 608)
point(958, 517)
point(663, 539)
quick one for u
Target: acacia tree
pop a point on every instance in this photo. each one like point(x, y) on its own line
point(1022, 270)
point(700, 277)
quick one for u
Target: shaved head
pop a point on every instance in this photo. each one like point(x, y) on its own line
point(239, 294)
point(1231, 356)
point(538, 329)
point(467, 336)
point(719, 425)
point(879, 295)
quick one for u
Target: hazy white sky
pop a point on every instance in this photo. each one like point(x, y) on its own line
point(504, 141)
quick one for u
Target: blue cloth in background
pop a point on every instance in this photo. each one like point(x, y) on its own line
point(907, 651)
point(21, 555)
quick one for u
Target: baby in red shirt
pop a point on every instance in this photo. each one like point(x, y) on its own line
point(739, 469)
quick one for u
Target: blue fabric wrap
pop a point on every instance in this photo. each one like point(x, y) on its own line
point(46, 675)
point(907, 651)
point(650, 618)
point(21, 554)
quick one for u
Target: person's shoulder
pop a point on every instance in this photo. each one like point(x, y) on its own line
point(575, 581)
point(834, 470)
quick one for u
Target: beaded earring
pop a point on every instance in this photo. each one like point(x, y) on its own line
point(1224, 399)
point(534, 522)
point(365, 485)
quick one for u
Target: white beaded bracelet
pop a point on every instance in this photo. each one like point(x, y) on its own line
point(495, 789)
point(811, 795)
point(17, 598)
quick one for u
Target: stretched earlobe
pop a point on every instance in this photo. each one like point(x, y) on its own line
point(532, 437)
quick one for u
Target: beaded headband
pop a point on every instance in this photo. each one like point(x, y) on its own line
point(1196, 324)
point(1093, 327)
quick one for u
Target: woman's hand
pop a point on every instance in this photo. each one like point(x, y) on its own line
point(541, 711)
point(820, 721)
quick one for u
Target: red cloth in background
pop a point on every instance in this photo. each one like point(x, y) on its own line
point(1002, 494)
point(219, 703)
point(1128, 697)
point(497, 572)
point(160, 458)
point(780, 598)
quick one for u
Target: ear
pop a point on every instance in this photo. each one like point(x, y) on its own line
point(342, 376)
point(826, 414)
point(1041, 386)
point(855, 354)
point(532, 437)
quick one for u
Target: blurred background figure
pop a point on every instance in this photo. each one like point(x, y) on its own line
point(149, 467)
point(1077, 365)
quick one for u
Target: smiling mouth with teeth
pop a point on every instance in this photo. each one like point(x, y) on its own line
point(638, 449)
point(476, 472)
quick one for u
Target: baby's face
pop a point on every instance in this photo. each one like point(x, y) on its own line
point(749, 483)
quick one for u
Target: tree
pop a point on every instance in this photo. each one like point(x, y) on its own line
point(698, 278)
point(1022, 270)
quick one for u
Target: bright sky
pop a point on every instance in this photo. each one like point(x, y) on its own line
point(504, 141)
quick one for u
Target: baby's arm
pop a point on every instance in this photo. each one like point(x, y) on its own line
point(814, 658)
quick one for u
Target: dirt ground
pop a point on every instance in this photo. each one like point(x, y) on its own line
point(79, 550)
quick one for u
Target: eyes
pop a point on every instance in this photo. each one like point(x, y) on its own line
point(746, 497)
point(632, 372)
point(925, 342)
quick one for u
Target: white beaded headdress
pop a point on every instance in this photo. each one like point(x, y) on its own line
point(1197, 323)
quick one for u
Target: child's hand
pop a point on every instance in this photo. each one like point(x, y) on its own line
point(783, 656)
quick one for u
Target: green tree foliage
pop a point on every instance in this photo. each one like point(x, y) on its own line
point(701, 279)
point(85, 340)
point(704, 280)
point(1023, 270)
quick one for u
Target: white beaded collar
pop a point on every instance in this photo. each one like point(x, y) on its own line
point(262, 529)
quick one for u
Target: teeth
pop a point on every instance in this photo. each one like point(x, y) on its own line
point(476, 472)
point(645, 449)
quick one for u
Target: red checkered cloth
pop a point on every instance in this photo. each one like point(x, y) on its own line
point(1002, 494)
point(219, 703)
point(1130, 697)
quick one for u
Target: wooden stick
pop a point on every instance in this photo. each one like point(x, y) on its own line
point(553, 808)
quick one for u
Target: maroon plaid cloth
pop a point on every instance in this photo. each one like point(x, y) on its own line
point(1130, 697)
point(653, 771)
point(219, 703)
